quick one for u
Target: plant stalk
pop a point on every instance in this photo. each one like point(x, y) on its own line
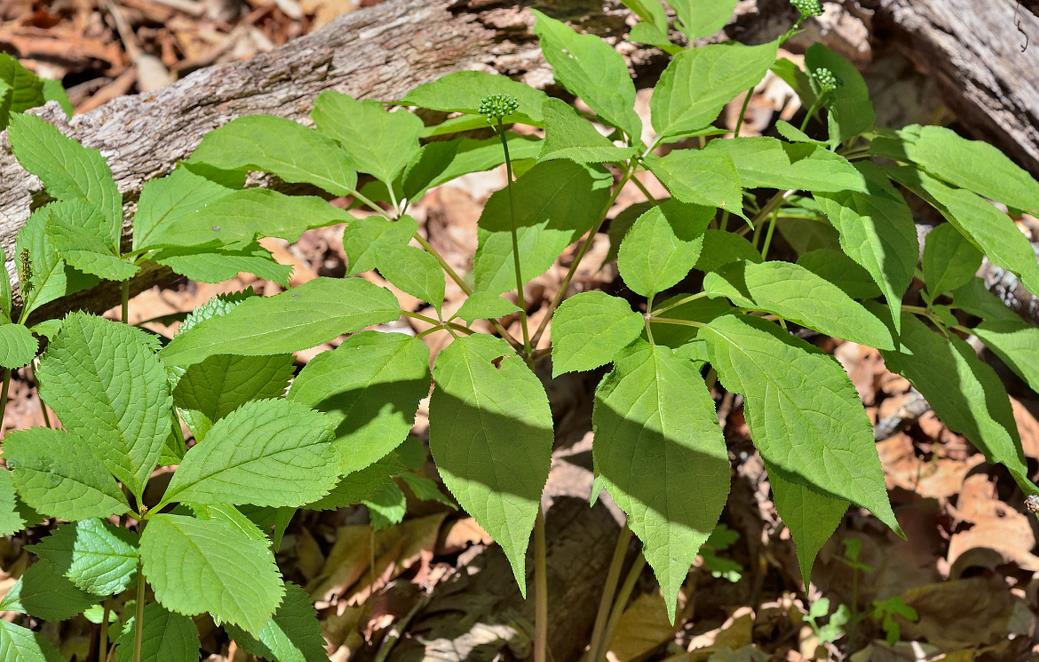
point(620, 551)
point(520, 301)
point(102, 646)
point(43, 405)
point(623, 595)
point(138, 625)
point(125, 302)
point(3, 398)
point(540, 589)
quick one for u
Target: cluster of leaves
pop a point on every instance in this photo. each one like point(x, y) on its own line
point(21, 89)
point(336, 434)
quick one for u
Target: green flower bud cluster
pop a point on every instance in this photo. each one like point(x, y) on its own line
point(825, 80)
point(497, 106)
point(808, 8)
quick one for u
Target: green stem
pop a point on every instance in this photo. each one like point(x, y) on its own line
point(647, 317)
point(515, 244)
point(540, 590)
point(642, 187)
point(668, 320)
point(623, 595)
point(768, 235)
point(178, 434)
point(43, 405)
point(680, 302)
point(3, 398)
point(613, 575)
point(102, 646)
point(138, 624)
point(743, 112)
point(125, 302)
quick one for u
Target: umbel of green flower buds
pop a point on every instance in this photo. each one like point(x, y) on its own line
point(808, 8)
point(496, 106)
point(825, 80)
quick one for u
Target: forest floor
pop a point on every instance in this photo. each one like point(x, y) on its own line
point(963, 586)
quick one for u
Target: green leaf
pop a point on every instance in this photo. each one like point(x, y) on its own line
point(977, 300)
point(26, 87)
point(68, 170)
point(811, 515)
point(570, 136)
point(683, 337)
point(292, 634)
point(297, 319)
point(170, 199)
point(703, 18)
point(555, 202)
point(770, 163)
point(485, 306)
point(219, 265)
point(198, 566)
point(378, 142)
point(443, 160)
point(662, 246)
point(462, 91)
point(265, 453)
point(699, 82)
point(850, 110)
point(700, 177)
point(414, 271)
point(992, 231)
point(590, 68)
point(876, 230)
point(803, 412)
point(949, 261)
point(369, 387)
point(386, 506)
point(971, 164)
point(17, 346)
point(11, 520)
point(650, 11)
point(293, 152)
point(491, 437)
point(655, 429)
point(977, 407)
point(214, 388)
point(102, 380)
point(1014, 341)
point(94, 555)
point(365, 239)
point(237, 219)
point(18, 644)
point(721, 248)
point(589, 329)
point(798, 295)
point(45, 593)
point(360, 486)
point(834, 266)
point(56, 474)
point(794, 134)
point(54, 91)
point(167, 637)
point(82, 237)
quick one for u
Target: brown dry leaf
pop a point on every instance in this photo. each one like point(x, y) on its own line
point(643, 626)
point(1028, 426)
point(462, 534)
point(735, 633)
point(966, 612)
point(324, 11)
point(936, 478)
point(346, 563)
point(999, 532)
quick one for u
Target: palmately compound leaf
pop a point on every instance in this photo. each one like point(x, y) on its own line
point(81, 235)
point(367, 239)
point(698, 83)
point(55, 473)
point(555, 202)
point(94, 555)
point(700, 177)
point(876, 230)
point(570, 136)
point(833, 265)
point(950, 261)
point(850, 112)
point(44, 592)
point(265, 453)
point(491, 437)
point(293, 634)
point(217, 265)
point(485, 306)
point(369, 388)
point(167, 200)
point(11, 520)
point(105, 383)
point(590, 68)
point(462, 91)
point(798, 295)
point(280, 146)
point(197, 566)
point(377, 141)
point(18, 644)
point(764, 162)
point(238, 219)
point(661, 455)
point(167, 637)
point(978, 407)
point(17, 345)
point(297, 319)
point(67, 169)
point(441, 161)
point(811, 514)
point(662, 246)
point(589, 329)
point(971, 164)
point(978, 220)
point(804, 414)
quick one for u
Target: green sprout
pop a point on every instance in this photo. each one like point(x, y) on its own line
point(808, 8)
point(496, 106)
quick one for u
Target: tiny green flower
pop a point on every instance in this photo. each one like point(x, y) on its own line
point(825, 80)
point(496, 106)
point(808, 8)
